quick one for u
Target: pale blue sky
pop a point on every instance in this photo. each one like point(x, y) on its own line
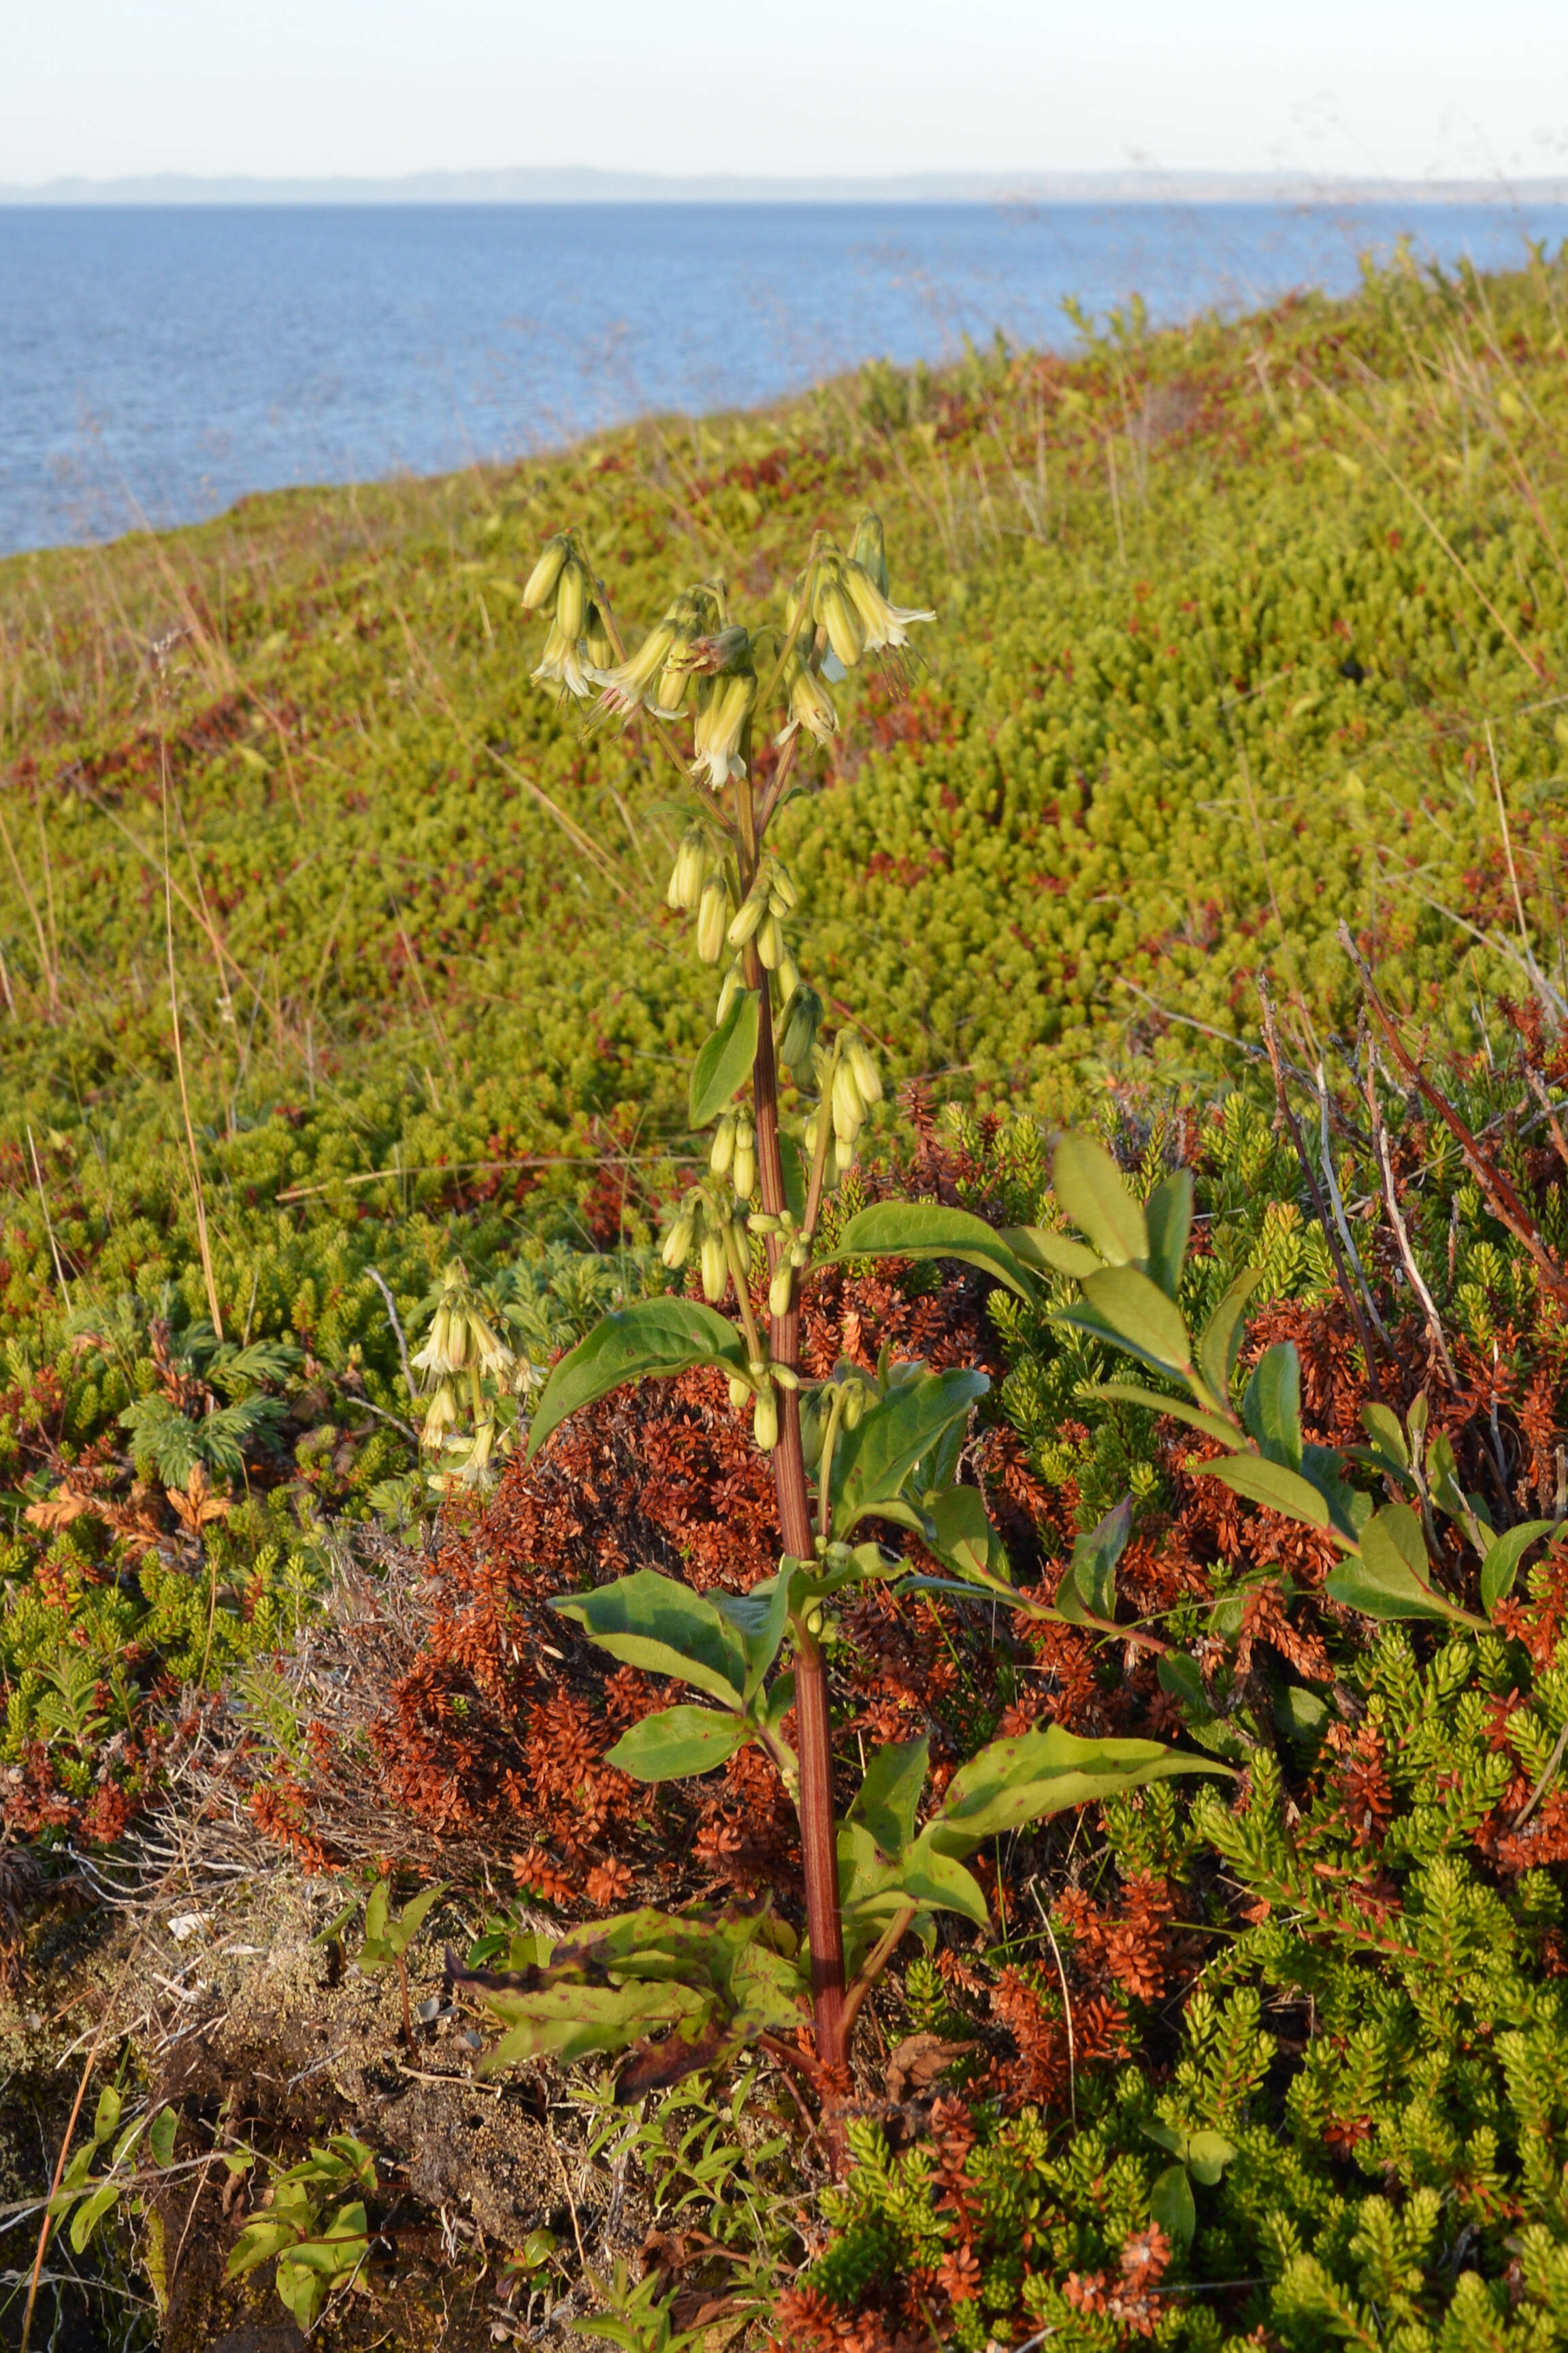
point(107, 87)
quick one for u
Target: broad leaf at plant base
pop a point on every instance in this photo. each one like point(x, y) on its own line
point(707, 1983)
point(654, 1339)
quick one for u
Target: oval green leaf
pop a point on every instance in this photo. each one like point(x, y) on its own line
point(724, 1059)
point(1168, 1214)
point(655, 1622)
point(654, 1339)
point(1093, 1191)
point(1046, 1252)
point(678, 1743)
point(873, 1461)
point(1501, 1566)
point(922, 1229)
point(1140, 1317)
point(1262, 1482)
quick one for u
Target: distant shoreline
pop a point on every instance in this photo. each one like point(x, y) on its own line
point(579, 186)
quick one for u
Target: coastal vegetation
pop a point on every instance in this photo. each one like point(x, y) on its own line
point(348, 1036)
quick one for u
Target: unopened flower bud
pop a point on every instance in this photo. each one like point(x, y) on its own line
point(803, 1011)
point(693, 861)
point(854, 1406)
point(770, 941)
point(734, 981)
point(676, 1248)
point(740, 1392)
point(786, 1376)
point(787, 979)
point(843, 1154)
point(838, 615)
point(597, 642)
point(713, 916)
point(781, 1290)
point(782, 890)
point(722, 1155)
point(814, 1620)
point(866, 1079)
point(848, 1111)
point(869, 551)
point(715, 1269)
point(572, 600)
point(765, 1420)
point(541, 583)
point(743, 1169)
point(747, 918)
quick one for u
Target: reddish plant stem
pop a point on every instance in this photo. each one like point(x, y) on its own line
point(818, 1834)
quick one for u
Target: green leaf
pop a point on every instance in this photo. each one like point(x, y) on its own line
point(1392, 1576)
point(1092, 1192)
point(1021, 1779)
point(1170, 2204)
point(1221, 1341)
point(759, 1618)
point(571, 2022)
point(1501, 1566)
point(1182, 1678)
point(924, 1230)
point(1301, 1712)
point(91, 2212)
point(1381, 1427)
point(1045, 1252)
point(1395, 1537)
point(266, 2237)
point(375, 1912)
point(873, 1461)
point(938, 1882)
point(1126, 1309)
point(655, 1337)
point(1208, 2154)
point(1271, 1408)
point(724, 1059)
point(1212, 1425)
point(678, 1743)
point(1262, 1482)
point(301, 2291)
point(401, 1934)
point(1168, 1214)
point(1094, 1560)
point(962, 1533)
point(656, 1623)
point(873, 1883)
point(890, 1795)
point(106, 2122)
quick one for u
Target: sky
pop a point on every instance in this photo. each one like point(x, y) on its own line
point(1411, 89)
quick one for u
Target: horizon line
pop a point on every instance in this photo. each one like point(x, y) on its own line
point(590, 183)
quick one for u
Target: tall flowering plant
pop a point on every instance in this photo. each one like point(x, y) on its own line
point(851, 1453)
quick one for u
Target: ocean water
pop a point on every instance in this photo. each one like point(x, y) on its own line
point(156, 365)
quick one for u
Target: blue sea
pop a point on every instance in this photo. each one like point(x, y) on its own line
point(156, 365)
